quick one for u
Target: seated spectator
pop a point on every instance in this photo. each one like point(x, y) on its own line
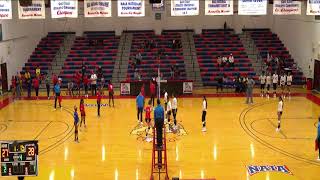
point(38, 73)
point(179, 45)
point(224, 61)
point(174, 44)
point(136, 74)
point(269, 57)
point(237, 84)
point(138, 58)
point(151, 44)
point(231, 60)
point(172, 70)
point(219, 61)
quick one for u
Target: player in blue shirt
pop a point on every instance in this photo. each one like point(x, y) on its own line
point(76, 122)
point(57, 92)
point(140, 105)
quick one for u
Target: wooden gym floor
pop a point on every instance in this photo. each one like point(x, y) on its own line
point(112, 147)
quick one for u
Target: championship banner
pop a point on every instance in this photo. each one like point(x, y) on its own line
point(286, 7)
point(187, 87)
point(184, 7)
point(313, 7)
point(35, 11)
point(158, 6)
point(97, 8)
point(64, 8)
point(218, 7)
point(125, 88)
point(131, 8)
point(5, 9)
point(252, 7)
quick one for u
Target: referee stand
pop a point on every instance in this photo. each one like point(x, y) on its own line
point(159, 166)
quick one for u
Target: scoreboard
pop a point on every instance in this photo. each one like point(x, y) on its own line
point(19, 158)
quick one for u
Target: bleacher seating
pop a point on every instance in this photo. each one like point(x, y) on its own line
point(218, 42)
point(149, 64)
point(268, 42)
point(92, 56)
point(45, 52)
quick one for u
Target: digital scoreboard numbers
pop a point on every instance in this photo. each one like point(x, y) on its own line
point(19, 158)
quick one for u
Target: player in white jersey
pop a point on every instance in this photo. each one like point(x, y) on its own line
point(268, 83)
point(289, 83)
point(283, 79)
point(168, 110)
point(174, 110)
point(204, 113)
point(165, 100)
point(275, 80)
point(262, 79)
point(279, 112)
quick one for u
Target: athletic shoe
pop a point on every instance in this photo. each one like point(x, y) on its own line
point(278, 129)
point(318, 159)
point(204, 129)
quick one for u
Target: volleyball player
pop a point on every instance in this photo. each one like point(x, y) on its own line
point(76, 121)
point(111, 92)
point(168, 112)
point(99, 101)
point(268, 83)
point(165, 100)
point(283, 80)
point(275, 79)
point(148, 110)
point(82, 112)
point(280, 110)
point(289, 82)
point(204, 113)
point(140, 104)
point(262, 79)
point(57, 92)
point(174, 110)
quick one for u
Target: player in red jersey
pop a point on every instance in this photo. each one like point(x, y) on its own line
point(152, 91)
point(148, 111)
point(82, 112)
point(99, 97)
point(36, 85)
point(111, 92)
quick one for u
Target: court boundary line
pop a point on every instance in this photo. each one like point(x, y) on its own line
point(242, 121)
point(263, 134)
point(45, 127)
